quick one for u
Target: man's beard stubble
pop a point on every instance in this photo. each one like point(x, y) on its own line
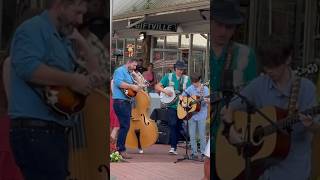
point(65, 29)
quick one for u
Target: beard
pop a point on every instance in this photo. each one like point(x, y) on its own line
point(65, 28)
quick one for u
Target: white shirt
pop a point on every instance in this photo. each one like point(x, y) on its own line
point(207, 151)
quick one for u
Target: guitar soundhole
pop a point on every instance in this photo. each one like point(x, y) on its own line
point(258, 134)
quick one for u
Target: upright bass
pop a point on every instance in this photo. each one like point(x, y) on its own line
point(143, 131)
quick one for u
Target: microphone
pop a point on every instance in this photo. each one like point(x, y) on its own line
point(227, 86)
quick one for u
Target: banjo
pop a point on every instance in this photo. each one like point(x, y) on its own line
point(168, 100)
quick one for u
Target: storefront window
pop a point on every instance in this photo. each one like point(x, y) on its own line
point(285, 20)
point(172, 42)
point(160, 42)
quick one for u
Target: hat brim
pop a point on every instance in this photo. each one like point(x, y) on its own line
point(181, 67)
point(237, 21)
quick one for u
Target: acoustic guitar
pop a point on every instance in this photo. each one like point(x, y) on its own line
point(188, 106)
point(269, 146)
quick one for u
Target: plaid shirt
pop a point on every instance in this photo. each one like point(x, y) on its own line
point(101, 52)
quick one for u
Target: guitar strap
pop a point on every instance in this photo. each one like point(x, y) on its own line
point(227, 66)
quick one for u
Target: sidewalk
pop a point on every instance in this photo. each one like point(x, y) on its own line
point(157, 164)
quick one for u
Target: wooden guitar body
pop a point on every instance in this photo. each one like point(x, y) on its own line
point(266, 150)
point(187, 106)
point(130, 92)
point(64, 101)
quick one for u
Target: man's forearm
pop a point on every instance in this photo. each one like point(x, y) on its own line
point(125, 85)
point(45, 75)
point(314, 127)
point(159, 87)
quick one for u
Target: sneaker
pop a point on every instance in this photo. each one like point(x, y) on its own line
point(140, 151)
point(172, 151)
point(201, 158)
point(125, 155)
point(193, 157)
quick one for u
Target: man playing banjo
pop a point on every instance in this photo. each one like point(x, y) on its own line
point(171, 86)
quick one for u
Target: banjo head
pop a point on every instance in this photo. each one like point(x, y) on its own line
point(165, 99)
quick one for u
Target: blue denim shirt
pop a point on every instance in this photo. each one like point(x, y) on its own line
point(193, 90)
point(262, 92)
point(36, 42)
point(121, 74)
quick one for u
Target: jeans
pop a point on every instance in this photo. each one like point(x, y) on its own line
point(123, 111)
point(40, 154)
point(202, 132)
point(175, 127)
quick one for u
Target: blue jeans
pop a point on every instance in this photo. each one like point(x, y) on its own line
point(40, 154)
point(175, 127)
point(123, 111)
point(202, 132)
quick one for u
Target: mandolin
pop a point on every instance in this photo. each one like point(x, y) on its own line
point(66, 101)
point(139, 80)
point(130, 93)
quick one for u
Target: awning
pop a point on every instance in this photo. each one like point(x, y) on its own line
point(192, 16)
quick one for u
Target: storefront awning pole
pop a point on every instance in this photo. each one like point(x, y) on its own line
point(190, 53)
point(207, 58)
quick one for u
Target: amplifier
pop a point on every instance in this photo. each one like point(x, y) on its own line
point(164, 133)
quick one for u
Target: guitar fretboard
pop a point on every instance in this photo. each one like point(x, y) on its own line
point(286, 123)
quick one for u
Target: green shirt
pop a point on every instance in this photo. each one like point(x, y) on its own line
point(243, 64)
point(244, 69)
point(178, 86)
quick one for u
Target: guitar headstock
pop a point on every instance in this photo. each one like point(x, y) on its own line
point(310, 69)
point(207, 83)
point(312, 111)
point(98, 78)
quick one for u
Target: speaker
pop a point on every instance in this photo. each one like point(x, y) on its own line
point(160, 114)
point(164, 133)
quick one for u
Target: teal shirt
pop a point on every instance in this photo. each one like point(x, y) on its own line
point(243, 63)
point(244, 69)
point(165, 82)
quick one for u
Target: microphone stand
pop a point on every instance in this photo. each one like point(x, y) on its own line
point(247, 145)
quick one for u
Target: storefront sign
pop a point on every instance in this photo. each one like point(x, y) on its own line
point(156, 26)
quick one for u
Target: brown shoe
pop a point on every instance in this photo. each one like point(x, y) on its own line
point(125, 155)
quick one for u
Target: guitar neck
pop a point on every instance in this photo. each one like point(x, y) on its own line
point(289, 121)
